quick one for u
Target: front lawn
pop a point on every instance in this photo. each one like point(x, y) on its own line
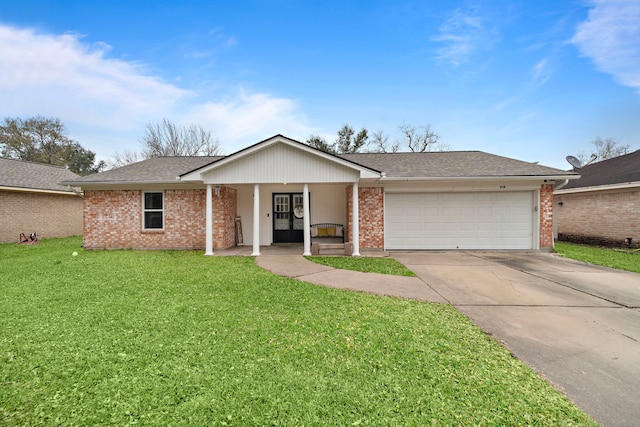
point(177, 338)
point(614, 258)
point(365, 264)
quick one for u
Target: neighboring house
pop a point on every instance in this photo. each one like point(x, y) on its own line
point(280, 187)
point(33, 201)
point(603, 206)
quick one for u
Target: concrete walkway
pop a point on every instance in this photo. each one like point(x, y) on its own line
point(298, 267)
point(576, 324)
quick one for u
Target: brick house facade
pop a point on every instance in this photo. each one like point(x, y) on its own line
point(113, 219)
point(603, 206)
point(262, 185)
point(33, 201)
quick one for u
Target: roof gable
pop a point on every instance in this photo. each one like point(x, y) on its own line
point(280, 159)
point(21, 175)
point(618, 170)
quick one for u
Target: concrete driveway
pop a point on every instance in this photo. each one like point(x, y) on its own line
point(577, 325)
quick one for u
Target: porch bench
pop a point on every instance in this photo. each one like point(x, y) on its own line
point(327, 232)
point(327, 236)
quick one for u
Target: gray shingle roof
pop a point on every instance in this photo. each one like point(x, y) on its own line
point(34, 176)
point(619, 170)
point(157, 169)
point(453, 164)
point(450, 164)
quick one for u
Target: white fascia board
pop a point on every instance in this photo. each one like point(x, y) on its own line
point(621, 186)
point(481, 178)
point(38, 190)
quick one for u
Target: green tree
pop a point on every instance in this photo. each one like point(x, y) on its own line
point(321, 143)
point(45, 140)
point(350, 142)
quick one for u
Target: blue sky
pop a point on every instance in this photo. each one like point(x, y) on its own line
point(533, 80)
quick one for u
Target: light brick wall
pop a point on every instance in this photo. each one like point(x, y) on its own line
point(546, 216)
point(371, 216)
point(113, 219)
point(604, 217)
point(49, 215)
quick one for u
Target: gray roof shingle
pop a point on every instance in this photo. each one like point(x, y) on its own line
point(157, 169)
point(618, 170)
point(450, 164)
point(34, 176)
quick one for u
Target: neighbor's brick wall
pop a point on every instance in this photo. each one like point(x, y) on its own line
point(49, 215)
point(604, 217)
point(546, 216)
point(113, 219)
point(371, 216)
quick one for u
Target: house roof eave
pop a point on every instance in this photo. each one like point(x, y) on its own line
point(620, 186)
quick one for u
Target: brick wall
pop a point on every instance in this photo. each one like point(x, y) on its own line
point(603, 217)
point(113, 219)
point(49, 215)
point(546, 216)
point(371, 216)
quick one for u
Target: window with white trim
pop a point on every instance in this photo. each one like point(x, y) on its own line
point(153, 210)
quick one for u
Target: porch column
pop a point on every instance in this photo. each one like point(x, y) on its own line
point(306, 221)
point(209, 223)
point(355, 217)
point(256, 220)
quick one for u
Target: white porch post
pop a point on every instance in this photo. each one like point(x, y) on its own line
point(356, 221)
point(256, 220)
point(306, 221)
point(209, 223)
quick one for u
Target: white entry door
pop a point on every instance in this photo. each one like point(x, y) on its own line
point(479, 220)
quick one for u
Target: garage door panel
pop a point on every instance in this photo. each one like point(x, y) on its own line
point(459, 220)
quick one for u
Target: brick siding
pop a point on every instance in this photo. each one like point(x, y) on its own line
point(370, 214)
point(602, 218)
point(546, 216)
point(49, 215)
point(113, 219)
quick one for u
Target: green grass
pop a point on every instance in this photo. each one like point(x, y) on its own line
point(614, 258)
point(177, 338)
point(365, 264)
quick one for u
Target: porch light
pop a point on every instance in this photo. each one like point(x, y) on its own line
point(217, 191)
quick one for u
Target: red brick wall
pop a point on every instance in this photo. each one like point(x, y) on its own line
point(371, 216)
point(49, 215)
point(113, 219)
point(603, 217)
point(546, 216)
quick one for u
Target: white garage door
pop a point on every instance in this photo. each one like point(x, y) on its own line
point(459, 220)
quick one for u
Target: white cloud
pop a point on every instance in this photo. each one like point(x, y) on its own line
point(463, 34)
point(540, 73)
point(106, 102)
point(611, 38)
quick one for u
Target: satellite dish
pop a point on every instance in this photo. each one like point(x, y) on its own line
point(574, 161)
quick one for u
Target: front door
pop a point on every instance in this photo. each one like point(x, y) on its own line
point(288, 221)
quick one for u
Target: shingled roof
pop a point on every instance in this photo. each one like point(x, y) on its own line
point(430, 165)
point(618, 170)
point(155, 170)
point(451, 164)
point(28, 176)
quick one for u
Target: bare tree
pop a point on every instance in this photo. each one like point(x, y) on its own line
point(166, 139)
point(380, 143)
point(420, 138)
point(604, 149)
